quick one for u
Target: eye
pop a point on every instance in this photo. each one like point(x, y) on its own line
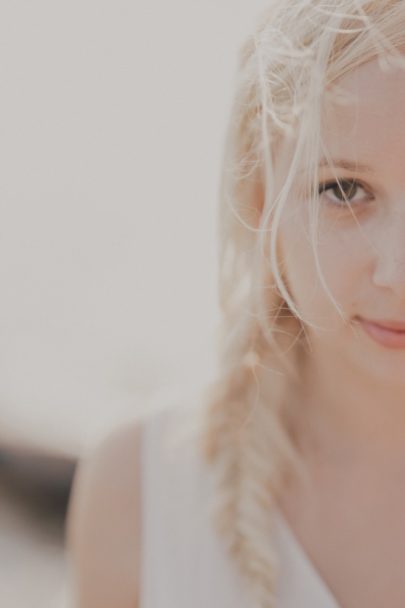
point(344, 191)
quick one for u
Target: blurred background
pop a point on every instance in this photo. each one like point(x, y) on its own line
point(112, 121)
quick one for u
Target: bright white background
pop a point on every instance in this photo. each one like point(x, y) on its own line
point(112, 118)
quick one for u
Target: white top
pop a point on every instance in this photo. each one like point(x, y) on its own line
point(183, 560)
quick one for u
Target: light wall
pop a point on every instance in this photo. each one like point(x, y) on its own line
point(111, 128)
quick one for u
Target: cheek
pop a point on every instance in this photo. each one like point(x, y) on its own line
point(342, 262)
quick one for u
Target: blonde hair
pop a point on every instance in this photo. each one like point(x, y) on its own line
point(300, 50)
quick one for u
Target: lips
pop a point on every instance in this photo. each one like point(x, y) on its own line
point(387, 333)
point(391, 325)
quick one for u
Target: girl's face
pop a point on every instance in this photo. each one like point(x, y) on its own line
point(361, 249)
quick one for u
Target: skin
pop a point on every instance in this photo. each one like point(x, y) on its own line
point(104, 524)
point(362, 257)
point(350, 420)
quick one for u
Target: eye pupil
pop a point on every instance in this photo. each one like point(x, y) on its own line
point(345, 189)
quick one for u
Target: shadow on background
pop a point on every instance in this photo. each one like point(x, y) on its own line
point(34, 495)
point(39, 482)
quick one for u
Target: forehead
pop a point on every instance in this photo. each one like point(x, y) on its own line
point(371, 124)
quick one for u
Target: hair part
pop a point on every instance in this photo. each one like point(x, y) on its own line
point(297, 55)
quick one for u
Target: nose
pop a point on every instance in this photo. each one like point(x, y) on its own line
point(389, 266)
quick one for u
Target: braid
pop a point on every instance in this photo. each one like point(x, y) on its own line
point(245, 440)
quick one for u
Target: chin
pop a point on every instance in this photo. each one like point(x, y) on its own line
point(386, 368)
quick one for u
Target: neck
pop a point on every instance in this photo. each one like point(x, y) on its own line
point(344, 415)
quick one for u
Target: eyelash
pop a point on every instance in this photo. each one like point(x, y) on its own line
point(353, 184)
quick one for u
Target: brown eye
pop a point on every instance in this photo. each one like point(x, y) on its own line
point(343, 191)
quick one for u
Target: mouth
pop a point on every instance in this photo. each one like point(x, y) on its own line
point(387, 333)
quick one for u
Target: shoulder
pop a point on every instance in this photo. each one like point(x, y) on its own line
point(103, 528)
point(105, 519)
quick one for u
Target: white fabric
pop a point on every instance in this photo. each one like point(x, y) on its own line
point(183, 561)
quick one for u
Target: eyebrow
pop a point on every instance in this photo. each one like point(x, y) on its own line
point(349, 165)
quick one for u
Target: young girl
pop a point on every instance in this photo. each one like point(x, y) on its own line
point(289, 491)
